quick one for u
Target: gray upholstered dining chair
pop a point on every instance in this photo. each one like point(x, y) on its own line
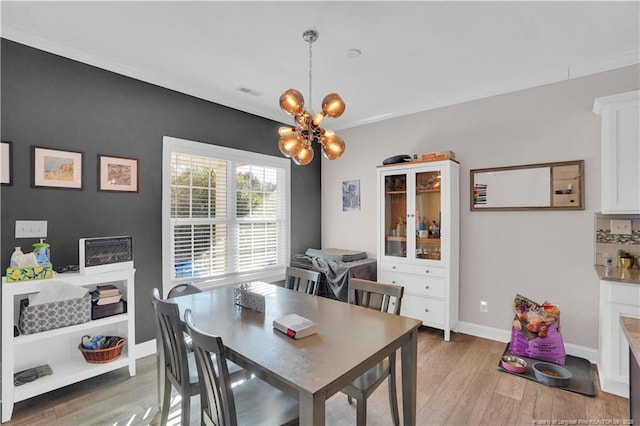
point(302, 280)
point(384, 298)
point(249, 402)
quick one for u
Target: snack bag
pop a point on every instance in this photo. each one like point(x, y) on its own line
point(536, 331)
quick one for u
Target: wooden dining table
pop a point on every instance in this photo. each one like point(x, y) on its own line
point(350, 340)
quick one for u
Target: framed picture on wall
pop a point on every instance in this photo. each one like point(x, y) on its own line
point(118, 174)
point(351, 196)
point(6, 160)
point(53, 168)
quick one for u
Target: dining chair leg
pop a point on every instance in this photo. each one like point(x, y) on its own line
point(361, 411)
point(160, 373)
point(393, 400)
point(186, 410)
point(166, 402)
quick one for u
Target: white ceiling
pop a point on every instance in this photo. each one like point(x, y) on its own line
point(415, 55)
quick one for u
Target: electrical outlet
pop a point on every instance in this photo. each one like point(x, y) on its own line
point(621, 227)
point(484, 306)
point(31, 228)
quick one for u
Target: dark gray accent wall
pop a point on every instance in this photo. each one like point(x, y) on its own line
point(54, 102)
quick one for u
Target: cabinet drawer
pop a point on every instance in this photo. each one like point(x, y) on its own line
point(413, 269)
point(430, 311)
point(417, 284)
point(625, 294)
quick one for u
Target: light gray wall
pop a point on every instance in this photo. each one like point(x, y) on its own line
point(544, 255)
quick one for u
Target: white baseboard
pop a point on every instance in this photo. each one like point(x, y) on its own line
point(484, 331)
point(145, 348)
point(615, 387)
point(502, 335)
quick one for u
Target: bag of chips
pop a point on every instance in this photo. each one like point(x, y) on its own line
point(536, 331)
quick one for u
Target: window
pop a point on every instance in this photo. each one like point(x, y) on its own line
point(225, 214)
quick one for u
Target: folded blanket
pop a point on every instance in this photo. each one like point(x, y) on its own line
point(341, 255)
point(338, 275)
point(31, 374)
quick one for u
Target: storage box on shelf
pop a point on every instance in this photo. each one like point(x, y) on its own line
point(29, 273)
point(47, 316)
point(418, 228)
point(59, 347)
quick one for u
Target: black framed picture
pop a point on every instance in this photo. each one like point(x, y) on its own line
point(118, 174)
point(53, 168)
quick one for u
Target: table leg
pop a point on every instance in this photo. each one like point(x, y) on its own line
point(312, 409)
point(409, 355)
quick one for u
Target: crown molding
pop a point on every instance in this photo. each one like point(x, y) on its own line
point(542, 78)
point(175, 83)
point(171, 82)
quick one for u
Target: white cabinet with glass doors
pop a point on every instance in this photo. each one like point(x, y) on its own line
point(418, 234)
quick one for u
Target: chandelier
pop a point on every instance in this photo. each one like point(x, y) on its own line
point(296, 142)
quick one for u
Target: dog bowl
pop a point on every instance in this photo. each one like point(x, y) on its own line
point(551, 374)
point(514, 364)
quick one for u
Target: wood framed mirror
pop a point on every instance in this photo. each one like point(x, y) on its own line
point(558, 186)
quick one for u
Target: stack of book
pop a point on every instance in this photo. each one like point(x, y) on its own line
point(106, 301)
point(106, 294)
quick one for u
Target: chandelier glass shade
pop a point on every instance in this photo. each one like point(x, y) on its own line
point(296, 141)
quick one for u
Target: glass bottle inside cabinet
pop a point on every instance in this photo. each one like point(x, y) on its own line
point(395, 216)
point(428, 215)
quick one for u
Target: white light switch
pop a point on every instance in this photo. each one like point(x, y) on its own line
point(621, 227)
point(31, 228)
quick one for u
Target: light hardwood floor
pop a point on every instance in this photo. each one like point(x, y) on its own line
point(458, 384)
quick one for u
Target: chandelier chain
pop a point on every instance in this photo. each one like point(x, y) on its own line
point(310, 74)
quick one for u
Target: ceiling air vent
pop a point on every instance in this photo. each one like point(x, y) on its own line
point(248, 91)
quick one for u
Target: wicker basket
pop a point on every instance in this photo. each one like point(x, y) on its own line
point(101, 356)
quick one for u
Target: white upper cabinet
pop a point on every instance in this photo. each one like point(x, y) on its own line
point(620, 152)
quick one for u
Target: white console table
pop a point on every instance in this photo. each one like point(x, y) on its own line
point(59, 347)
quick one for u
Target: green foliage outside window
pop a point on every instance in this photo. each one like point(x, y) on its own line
point(194, 193)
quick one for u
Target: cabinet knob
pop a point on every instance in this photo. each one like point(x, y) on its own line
point(426, 310)
point(393, 282)
point(427, 287)
point(393, 267)
point(427, 271)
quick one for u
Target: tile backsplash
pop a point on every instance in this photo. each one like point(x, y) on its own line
point(607, 243)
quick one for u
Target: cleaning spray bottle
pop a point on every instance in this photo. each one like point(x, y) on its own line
point(14, 256)
point(42, 252)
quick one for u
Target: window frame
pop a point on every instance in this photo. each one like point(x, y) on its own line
point(171, 145)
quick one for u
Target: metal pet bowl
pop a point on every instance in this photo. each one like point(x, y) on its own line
point(551, 374)
point(514, 364)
